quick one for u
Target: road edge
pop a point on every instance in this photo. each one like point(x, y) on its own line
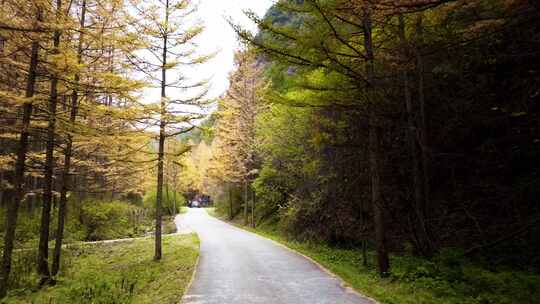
point(188, 286)
point(195, 268)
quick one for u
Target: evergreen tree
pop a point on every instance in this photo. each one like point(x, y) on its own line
point(169, 42)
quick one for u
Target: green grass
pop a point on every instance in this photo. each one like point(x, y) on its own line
point(447, 279)
point(120, 273)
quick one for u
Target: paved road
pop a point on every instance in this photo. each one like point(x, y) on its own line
point(239, 267)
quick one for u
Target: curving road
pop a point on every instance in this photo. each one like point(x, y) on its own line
point(239, 267)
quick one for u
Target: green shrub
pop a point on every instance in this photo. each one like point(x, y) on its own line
point(27, 228)
point(450, 278)
point(168, 203)
point(133, 197)
point(90, 220)
point(110, 220)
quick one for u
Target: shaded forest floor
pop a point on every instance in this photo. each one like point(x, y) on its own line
point(118, 273)
point(447, 278)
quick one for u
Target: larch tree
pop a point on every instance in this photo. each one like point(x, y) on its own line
point(34, 18)
point(106, 82)
point(170, 32)
point(101, 107)
point(68, 150)
point(236, 130)
point(57, 10)
point(225, 164)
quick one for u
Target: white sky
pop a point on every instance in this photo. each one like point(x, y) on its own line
point(220, 37)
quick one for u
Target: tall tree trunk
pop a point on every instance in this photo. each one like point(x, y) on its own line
point(161, 152)
point(376, 197)
point(230, 203)
point(253, 209)
point(174, 199)
point(421, 237)
point(166, 183)
point(43, 251)
point(66, 177)
point(421, 137)
point(423, 133)
point(364, 216)
point(159, 190)
point(375, 152)
point(246, 203)
point(18, 181)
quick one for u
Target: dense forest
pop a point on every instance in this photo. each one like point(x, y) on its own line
point(403, 136)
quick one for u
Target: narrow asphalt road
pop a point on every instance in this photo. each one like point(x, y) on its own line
point(239, 267)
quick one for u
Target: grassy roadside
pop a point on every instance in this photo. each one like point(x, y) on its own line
point(448, 279)
point(120, 273)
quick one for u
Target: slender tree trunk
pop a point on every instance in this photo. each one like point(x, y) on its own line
point(376, 198)
point(230, 203)
point(62, 208)
point(375, 153)
point(66, 177)
point(161, 152)
point(246, 203)
point(18, 182)
point(423, 243)
point(364, 217)
point(423, 135)
point(159, 191)
point(35, 198)
point(175, 186)
point(166, 183)
point(1, 186)
point(43, 252)
point(253, 209)
point(364, 253)
point(174, 200)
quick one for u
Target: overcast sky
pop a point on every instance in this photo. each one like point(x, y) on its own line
point(220, 37)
